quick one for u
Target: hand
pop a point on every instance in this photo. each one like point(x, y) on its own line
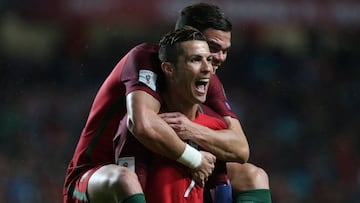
point(183, 127)
point(201, 173)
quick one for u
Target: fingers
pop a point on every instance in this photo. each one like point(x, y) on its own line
point(201, 174)
point(175, 120)
point(201, 178)
point(170, 115)
point(200, 181)
point(169, 118)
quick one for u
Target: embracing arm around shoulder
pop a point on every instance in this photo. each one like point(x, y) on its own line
point(228, 144)
point(145, 124)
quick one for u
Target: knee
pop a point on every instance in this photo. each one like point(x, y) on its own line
point(247, 177)
point(122, 178)
point(259, 178)
point(123, 182)
point(111, 183)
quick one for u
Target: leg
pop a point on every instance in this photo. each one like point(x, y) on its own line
point(249, 182)
point(113, 183)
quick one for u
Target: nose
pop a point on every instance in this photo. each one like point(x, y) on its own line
point(207, 66)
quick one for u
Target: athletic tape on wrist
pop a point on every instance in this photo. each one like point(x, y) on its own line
point(190, 157)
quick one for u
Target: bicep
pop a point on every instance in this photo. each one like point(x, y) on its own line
point(147, 127)
point(141, 107)
point(139, 101)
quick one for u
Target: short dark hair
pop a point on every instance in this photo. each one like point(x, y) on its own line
point(170, 47)
point(203, 16)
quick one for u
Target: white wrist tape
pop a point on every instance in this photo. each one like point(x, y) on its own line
point(190, 157)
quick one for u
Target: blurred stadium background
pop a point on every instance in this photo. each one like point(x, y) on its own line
point(292, 77)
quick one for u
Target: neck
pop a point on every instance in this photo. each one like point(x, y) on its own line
point(174, 103)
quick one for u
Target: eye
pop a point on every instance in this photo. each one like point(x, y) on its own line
point(214, 47)
point(225, 51)
point(195, 58)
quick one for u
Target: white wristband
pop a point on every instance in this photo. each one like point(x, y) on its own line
point(190, 157)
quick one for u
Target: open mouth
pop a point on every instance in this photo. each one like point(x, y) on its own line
point(201, 85)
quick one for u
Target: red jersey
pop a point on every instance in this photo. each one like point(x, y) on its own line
point(162, 179)
point(170, 182)
point(139, 69)
point(135, 71)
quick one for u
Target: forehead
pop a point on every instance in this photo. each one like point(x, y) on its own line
point(219, 37)
point(195, 47)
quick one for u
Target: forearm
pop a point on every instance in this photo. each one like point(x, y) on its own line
point(145, 124)
point(156, 135)
point(227, 145)
point(159, 137)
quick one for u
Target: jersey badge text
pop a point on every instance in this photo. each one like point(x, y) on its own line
point(148, 78)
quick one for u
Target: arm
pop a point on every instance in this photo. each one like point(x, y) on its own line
point(228, 145)
point(148, 128)
point(155, 134)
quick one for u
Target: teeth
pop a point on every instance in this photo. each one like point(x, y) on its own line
point(204, 80)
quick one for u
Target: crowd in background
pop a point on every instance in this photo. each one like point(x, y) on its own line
point(295, 89)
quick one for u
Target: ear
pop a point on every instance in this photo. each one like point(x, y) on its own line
point(167, 68)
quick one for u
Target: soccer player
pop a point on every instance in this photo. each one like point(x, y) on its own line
point(186, 63)
point(249, 182)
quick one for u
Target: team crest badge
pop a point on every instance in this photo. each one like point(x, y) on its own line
point(148, 78)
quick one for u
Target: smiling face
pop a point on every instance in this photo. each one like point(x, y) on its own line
point(188, 79)
point(219, 43)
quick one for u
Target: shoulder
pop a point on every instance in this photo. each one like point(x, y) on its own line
point(144, 56)
point(145, 48)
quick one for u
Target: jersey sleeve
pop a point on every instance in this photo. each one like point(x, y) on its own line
point(216, 98)
point(141, 70)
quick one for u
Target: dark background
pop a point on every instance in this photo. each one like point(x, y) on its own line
point(292, 77)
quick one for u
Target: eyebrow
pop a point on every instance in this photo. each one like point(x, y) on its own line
point(216, 46)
